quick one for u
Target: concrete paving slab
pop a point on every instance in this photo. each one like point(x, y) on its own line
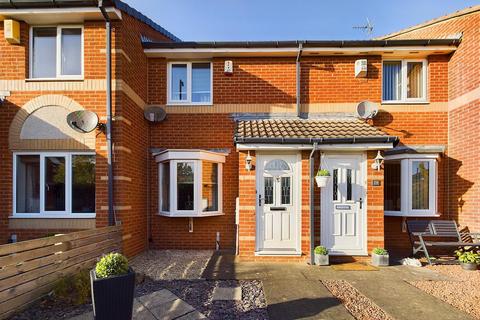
point(157, 298)
point(302, 299)
point(171, 309)
point(195, 315)
point(140, 312)
point(220, 293)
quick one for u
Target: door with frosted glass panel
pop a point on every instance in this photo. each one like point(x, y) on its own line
point(276, 214)
point(343, 204)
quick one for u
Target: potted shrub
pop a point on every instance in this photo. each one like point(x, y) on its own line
point(322, 178)
point(469, 260)
point(380, 257)
point(113, 284)
point(321, 256)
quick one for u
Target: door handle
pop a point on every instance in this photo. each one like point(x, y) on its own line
point(361, 202)
point(259, 199)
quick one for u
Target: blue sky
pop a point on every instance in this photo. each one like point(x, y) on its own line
point(219, 20)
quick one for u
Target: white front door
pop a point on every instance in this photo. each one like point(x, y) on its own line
point(278, 192)
point(343, 222)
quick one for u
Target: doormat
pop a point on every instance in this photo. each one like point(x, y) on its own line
point(353, 266)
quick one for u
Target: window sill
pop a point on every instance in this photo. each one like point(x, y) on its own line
point(53, 216)
point(54, 79)
point(190, 215)
point(410, 214)
point(404, 102)
point(189, 104)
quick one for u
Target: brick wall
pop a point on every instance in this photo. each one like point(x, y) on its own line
point(195, 131)
point(462, 181)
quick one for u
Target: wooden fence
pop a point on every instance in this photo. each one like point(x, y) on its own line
point(30, 269)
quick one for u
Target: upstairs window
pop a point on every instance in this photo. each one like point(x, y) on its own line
point(410, 186)
point(54, 184)
point(56, 52)
point(404, 81)
point(190, 183)
point(190, 83)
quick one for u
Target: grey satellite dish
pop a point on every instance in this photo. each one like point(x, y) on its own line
point(154, 114)
point(367, 110)
point(83, 121)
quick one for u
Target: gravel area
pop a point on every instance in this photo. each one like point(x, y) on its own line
point(463, 292)
point(356, 303)
point(172, 264)
point(48, 308)
point(198, 293)
point(179, 271)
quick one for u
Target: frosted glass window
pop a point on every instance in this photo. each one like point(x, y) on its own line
point(44, 52)
point(71, 53)
point(277, 165)
point(201, 82)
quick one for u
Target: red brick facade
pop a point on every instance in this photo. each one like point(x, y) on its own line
point(258, 85)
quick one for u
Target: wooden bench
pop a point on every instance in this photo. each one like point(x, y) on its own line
point(426, 234)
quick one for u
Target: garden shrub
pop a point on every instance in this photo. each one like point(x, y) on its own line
point(73, 289)
point(113, 264)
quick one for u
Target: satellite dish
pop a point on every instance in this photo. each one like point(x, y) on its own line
point(154, 114)
point(367, 110)
point(82, 121)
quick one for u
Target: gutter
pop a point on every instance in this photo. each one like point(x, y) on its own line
point(297, 75)
point(108, 27)
point(351, 140)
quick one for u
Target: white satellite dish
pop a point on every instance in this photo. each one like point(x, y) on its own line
point(154, 113)
point(83, 121)
point(367, 110)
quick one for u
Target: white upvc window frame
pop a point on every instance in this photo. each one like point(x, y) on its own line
point(404, 98)
point(195, 157)
point(406, 177)
point(188, 101)
point(68, 187)
point(58, 58)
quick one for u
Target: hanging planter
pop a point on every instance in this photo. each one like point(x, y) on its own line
point(322, 178)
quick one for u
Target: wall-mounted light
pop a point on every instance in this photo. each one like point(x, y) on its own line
point(378, 161)
point(4, 95)
point(248, 162)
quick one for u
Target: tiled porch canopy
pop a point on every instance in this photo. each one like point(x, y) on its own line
point(329, 130)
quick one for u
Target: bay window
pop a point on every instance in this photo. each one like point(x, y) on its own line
point(54, 184)
point(410, 186)
point(56, 52)
point(404, 81)
point(190, 183)
point(189, 83)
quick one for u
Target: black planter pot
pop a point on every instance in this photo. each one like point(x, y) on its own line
point(112, 298)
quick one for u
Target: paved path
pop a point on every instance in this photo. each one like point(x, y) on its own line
point(159, 305)
point(294, 290)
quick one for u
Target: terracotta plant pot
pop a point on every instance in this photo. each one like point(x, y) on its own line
point(321, 259)
point(322, 181)
point(380, 260)
point(469, 266)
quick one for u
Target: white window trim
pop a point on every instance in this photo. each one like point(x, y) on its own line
point(58, 59)
point(196, 157)
point(170, 101)
point(406, 186)
point(403, 93)
point(68, 187)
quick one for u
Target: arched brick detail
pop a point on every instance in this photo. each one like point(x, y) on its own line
point(77, 142)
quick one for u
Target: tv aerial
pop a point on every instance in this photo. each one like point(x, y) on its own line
point(368, 28)
point(84, 121)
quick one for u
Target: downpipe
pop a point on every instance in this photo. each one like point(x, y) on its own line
point(108, 27)
point(297, 74)
point(312, 203)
